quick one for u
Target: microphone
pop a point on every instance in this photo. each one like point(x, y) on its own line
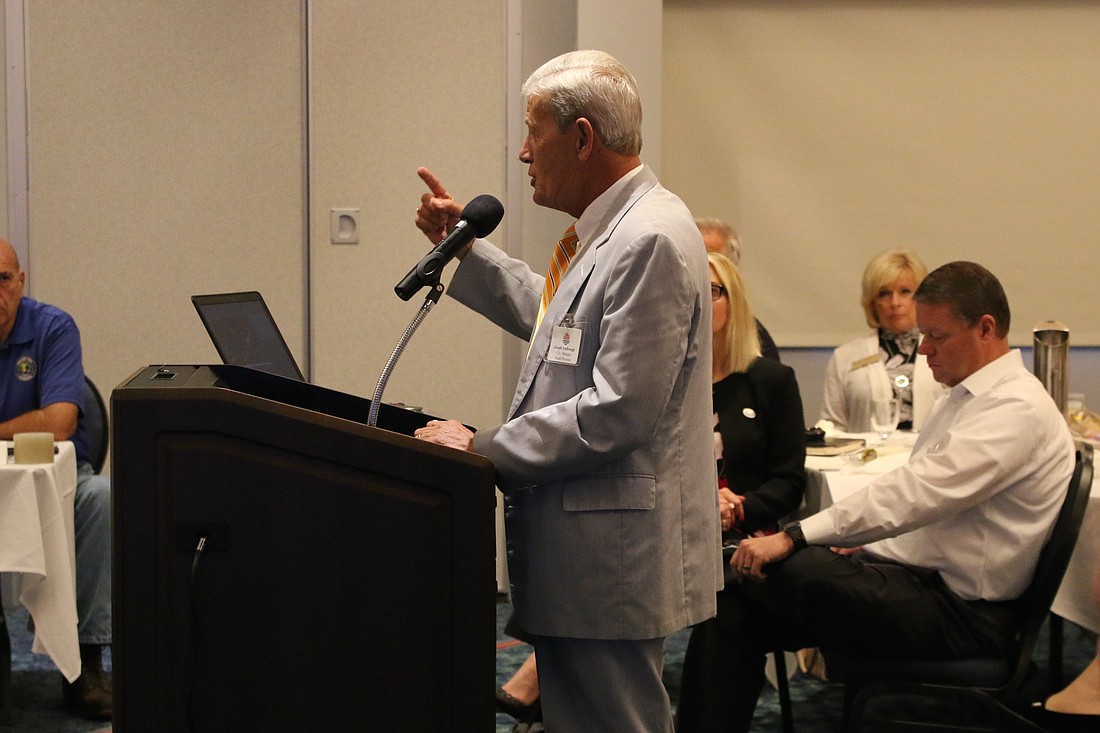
point(479, 218)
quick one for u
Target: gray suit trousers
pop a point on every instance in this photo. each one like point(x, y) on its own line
point(600, 685)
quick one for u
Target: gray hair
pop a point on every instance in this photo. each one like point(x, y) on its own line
point(593, 85)
point(725, 230)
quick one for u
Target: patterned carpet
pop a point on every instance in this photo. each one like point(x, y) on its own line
point(37, 707)
point(36, 688)
point(817, 705)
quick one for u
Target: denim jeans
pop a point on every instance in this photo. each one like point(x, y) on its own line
point(92, 522)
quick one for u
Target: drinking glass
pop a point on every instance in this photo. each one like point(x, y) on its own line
point(884, 417)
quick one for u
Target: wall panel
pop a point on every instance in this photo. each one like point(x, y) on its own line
point(165, 160)
point(830, 131)
point(395, 86)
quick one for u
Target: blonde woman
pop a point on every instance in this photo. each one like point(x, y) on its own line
point(760, 444)
point(884, 363)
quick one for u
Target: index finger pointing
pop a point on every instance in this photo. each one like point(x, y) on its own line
point(433, 183)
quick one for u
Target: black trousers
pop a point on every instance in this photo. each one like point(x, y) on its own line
point(819, 598)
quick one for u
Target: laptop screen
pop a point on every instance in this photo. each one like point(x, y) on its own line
point(245, 334)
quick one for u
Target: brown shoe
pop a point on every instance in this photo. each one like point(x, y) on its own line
point(91, 695)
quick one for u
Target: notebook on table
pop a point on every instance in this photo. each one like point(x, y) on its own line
point(835, 446)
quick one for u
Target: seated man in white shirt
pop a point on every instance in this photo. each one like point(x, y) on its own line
point(949, 541)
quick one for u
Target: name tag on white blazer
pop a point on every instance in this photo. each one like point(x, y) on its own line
point(565, 343)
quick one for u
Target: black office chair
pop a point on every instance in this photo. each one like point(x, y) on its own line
point(985, 681)
point(813, 501)
point(96, 428)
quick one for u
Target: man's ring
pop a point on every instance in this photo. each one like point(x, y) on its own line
point(746, 567)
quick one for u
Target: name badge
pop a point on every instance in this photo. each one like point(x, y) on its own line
point(565, 343)
point(865, 361)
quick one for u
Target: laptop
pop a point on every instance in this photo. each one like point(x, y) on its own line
point(245, 334)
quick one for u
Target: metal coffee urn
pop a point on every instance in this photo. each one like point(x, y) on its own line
point(1052, 359)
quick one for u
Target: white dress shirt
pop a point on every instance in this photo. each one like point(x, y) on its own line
point(607, 204)
point(981, 491)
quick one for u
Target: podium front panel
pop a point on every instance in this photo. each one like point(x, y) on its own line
point(344, 570)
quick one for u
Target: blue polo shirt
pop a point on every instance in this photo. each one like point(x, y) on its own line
point(40, 365)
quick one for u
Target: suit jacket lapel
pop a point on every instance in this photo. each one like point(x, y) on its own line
point(580, 269)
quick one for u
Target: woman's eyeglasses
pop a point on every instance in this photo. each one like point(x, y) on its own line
point(717, 291)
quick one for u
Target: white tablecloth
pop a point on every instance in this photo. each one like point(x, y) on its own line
point(832, 479)
point(1073, 601)
point(36, 542)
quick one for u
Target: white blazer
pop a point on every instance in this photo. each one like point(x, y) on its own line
point(853, 380)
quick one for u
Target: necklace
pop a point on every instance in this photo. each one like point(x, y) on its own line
point(899, 352)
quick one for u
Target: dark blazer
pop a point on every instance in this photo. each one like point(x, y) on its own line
point(763, 440)
point(768, 349)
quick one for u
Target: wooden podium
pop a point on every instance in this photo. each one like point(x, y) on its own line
point(346, 580)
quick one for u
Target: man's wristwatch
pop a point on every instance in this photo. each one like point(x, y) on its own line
point(794, 531)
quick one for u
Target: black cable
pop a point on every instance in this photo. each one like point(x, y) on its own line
point(194, 633)
point(194, 570)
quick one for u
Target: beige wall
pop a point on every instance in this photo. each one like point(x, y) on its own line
point(391, 93)
point(3, 125)
point(166, 159)
point(168, 151)
point(830, 131)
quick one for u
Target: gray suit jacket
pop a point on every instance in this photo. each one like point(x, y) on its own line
point(608, 465)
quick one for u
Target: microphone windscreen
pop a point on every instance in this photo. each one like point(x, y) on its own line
point(484, 212)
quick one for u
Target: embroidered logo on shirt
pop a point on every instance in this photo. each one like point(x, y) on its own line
point(25, 369)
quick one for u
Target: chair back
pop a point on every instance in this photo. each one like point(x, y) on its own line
point(1054, 559)
point(95, 424)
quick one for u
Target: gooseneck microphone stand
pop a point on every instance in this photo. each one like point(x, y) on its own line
point(434, 293)
point(478, 219)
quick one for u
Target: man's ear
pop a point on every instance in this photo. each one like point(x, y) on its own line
point(988, 326)
point(585, 134)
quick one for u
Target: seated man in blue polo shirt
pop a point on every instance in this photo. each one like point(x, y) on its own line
point(42, 390)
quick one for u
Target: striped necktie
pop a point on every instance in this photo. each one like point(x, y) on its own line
point(559, 261)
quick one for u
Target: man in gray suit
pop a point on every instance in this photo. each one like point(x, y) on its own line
point(605, 458)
